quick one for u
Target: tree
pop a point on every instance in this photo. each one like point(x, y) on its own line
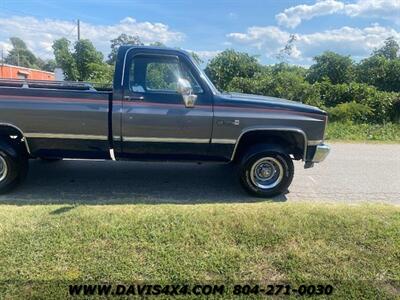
point(335, 67)
point(380, 72)
point(285, 67)
point(20, 55)
point(393, 76)
point(85, 63)
point(157, 44)
point(389, 50)
point(196, 57)
point(86, 57)
point(122, 39)
point(64, 59)
point(49, 65)
point(101, 73)
point(230, 64)
point(46, 65)
point(382, 69)
point(288, 50)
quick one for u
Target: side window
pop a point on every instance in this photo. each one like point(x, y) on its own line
point(159, 74)
point(162, 76)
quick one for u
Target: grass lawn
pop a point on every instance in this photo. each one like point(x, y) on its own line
point(363, 132)
point(355, 248)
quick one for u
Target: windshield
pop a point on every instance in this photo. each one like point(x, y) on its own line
point(205, 77)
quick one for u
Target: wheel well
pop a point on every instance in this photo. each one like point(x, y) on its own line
point(293, 142)
point(14, 135)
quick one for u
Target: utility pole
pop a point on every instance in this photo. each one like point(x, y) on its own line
point(79, 29)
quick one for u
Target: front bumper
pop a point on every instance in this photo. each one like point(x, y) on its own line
point(316, 154)
point(321, 152)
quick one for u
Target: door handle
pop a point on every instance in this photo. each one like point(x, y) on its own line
point(133, 98)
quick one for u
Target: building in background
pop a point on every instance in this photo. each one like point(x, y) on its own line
point(59, 74)
point(15, 72)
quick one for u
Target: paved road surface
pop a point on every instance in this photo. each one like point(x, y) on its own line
point(352, 172)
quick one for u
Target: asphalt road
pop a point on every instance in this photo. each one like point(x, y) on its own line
point(352, 173)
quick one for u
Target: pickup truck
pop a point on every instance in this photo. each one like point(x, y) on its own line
point(162, 107)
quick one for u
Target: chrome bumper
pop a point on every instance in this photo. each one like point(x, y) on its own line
point(321, 152)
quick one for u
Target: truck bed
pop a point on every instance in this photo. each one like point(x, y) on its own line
point(57, 116)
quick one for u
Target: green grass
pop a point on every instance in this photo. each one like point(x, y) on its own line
point(363, 132)
point(356, 248)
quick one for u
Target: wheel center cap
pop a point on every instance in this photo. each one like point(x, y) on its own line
point(265, 171)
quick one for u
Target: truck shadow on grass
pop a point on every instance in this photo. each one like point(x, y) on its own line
point(93, 183)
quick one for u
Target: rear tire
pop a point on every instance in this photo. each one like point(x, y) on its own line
point(13, 169)
point(266, 173)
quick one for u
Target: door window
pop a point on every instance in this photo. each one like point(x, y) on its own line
point(162, 76)
point(159, 74)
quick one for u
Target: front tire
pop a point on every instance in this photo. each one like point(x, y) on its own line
point(266, 173)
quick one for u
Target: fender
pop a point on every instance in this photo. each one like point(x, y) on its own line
point(273, 129)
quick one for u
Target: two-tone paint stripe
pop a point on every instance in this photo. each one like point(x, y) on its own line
point(63, 100)
point(66, 100)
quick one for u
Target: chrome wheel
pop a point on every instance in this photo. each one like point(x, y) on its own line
point(3, 169)
point(266, 173)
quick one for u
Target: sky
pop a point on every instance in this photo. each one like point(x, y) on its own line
point(259, 27)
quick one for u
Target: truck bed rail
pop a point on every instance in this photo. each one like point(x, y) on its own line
point(47, 84)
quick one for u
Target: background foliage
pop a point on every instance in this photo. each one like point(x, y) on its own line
point(363, 92)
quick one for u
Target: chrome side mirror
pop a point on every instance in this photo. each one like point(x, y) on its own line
point(186, 90)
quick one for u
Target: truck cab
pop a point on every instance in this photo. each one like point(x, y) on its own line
point(162, 107)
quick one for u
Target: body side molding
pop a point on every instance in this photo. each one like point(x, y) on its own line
point(67, 136)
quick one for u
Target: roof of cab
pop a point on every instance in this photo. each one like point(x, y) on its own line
point(125, 48)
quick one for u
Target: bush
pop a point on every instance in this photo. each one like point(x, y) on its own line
point(281, 84)
point(239, 72)
point(395, 113)
point(380, 102)
point(254, 85)
point(351, 111)
point(382, 105)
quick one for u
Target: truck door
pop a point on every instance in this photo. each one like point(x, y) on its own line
point(155, 121)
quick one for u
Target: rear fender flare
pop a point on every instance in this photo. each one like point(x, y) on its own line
point(15, 128)
point(8, 149)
